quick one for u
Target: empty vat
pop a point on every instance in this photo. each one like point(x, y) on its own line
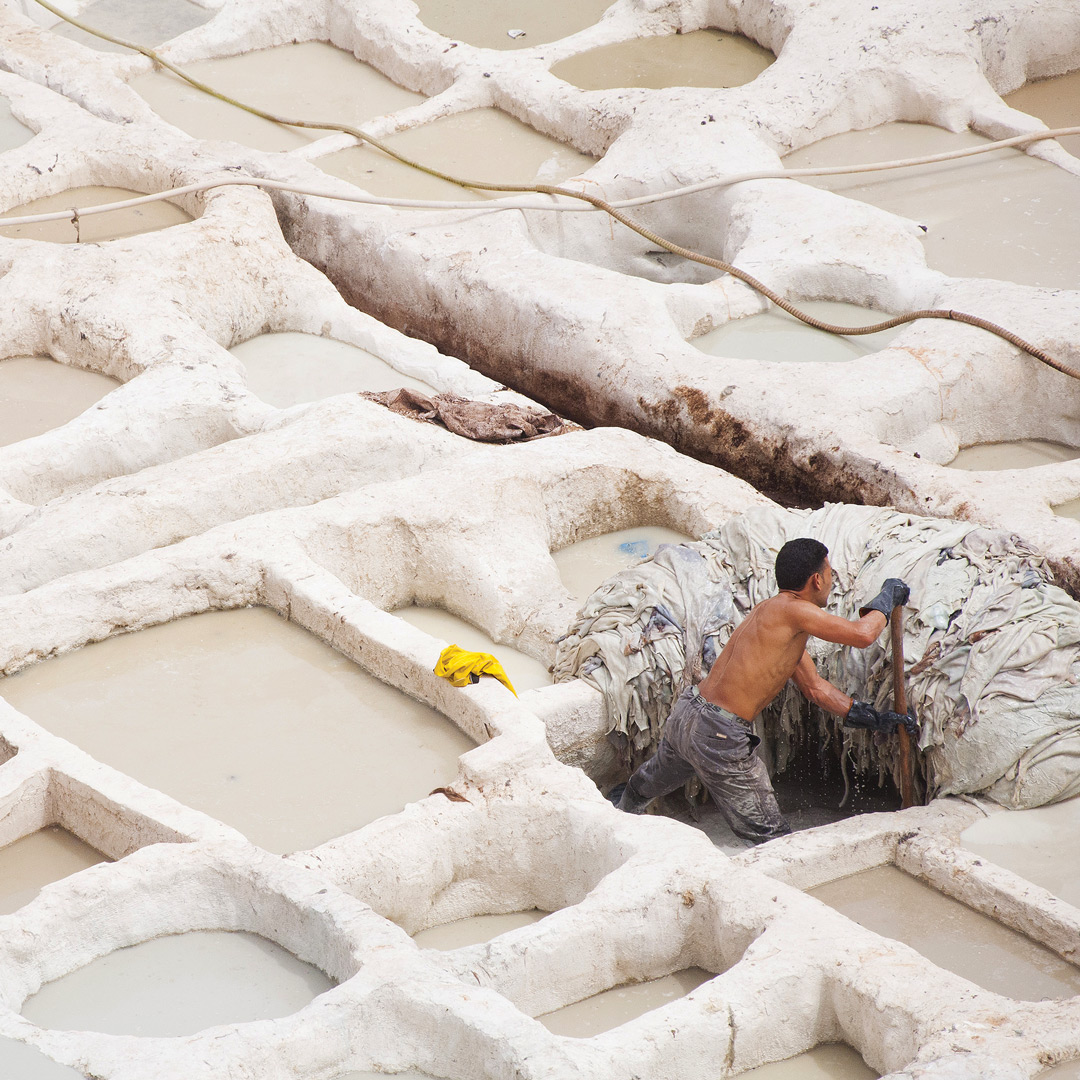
point(1021, 454)
point(776, 336)
point(482, 144)
point(38, 394)
point(143, 22)
point(524, 672)
point(474, 931)
point(507, 24)
point(1054, 101)
point(586, 565)
point(309, 81)
point(22, 1062)
point(951, 935)
point(248, 718)
point(833, 1061)
point(12, 133)
point(114, 225)
point(1001, 215)
point(700, 58)
point(1042, 845)
point(177, 985)
point(620, 1005)
point(36, 860)
point(290, 368)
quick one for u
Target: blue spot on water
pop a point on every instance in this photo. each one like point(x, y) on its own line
point(640, 548)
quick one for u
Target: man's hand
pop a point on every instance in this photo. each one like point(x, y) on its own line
point(893, 592)
point(863, 715)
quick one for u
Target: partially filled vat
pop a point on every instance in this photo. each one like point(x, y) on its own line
point(586, 565)
point(37, 860)
point(776, 336)
point(142, 22)
point(1055, 101)
point(19, 1061)
point(482, 144)
point(507, 24)
point(177, 985)
point(1002, 215)
point(248, 718)
point(700, 58)
point(308, 81)
point(1021, 454)
point(12, 132)
point(475, 930)
point(833, 1061)
point(113, 225)
point(290, 368)
point(950, 934)
point(522, 670)
point(38, 394)
point(621, 1004)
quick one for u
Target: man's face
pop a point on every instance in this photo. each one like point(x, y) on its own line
point(825, 577)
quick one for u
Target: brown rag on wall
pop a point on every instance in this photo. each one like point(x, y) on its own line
point(478, 420)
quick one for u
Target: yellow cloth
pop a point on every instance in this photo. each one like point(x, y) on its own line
point(457, 665)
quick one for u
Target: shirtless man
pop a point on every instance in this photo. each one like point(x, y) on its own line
point(709, 729)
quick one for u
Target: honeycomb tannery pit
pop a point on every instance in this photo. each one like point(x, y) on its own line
point(245, 829)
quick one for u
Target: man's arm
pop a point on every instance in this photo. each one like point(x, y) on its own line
point(818, 690)
point(859, 632)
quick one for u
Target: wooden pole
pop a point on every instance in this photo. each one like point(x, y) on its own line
point(907, 776)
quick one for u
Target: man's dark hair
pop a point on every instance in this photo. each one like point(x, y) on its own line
point(797, 561)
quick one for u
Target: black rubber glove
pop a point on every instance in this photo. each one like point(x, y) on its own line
point(893, 592)
point(863, 715)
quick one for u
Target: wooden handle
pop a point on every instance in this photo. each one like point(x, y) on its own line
point(907, 777)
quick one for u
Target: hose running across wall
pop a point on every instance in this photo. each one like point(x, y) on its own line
point(613, 209)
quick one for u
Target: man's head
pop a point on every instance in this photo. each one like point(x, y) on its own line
point(803, 564)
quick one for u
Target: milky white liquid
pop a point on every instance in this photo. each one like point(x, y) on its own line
point(1070, 509)
point(1042, 845)
point(609, 1009)
point(142, 22)
point(114, 225)
point(1056, 102)
point(485, 23)
point(177, 985)
point(1001, 215)
point(482, 144)
point(779, 337)
point(474, 931)
point(248, 718)
point(309, 81)
point(21, 1062)
point(522, 670)
point(586, 565)
point(700, 58)
point(1021, 454)
point(38, 394)
point(834, 1061)
point(12, 133)
point(36, 860)
point(290, 368)
point(951, 935)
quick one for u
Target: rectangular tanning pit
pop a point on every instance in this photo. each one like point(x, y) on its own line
point(308, 81)
point(621, 1004)
point(522, 670)
point(951, 935)
point(475, 930)
point(38, 394)
point(142, 22)
point(833, 1061)
point(249, 718)
point(586, 565)
point(37, 860)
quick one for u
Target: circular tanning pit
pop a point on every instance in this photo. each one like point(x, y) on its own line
point(621, 1004)
point(508, 24)
point(707, 58)
point(290, 368)
point(1021, 454)
point(474, 931)
point(177, 985)
point(1001, 215)
point(777, 337)
point(114, 225)
point(482, 144)
point(1054, 101)
point(522, 670)
point(833, 1061)
point(144, 22)
point(308, 81)
point(586, 565)
point(38, 394)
